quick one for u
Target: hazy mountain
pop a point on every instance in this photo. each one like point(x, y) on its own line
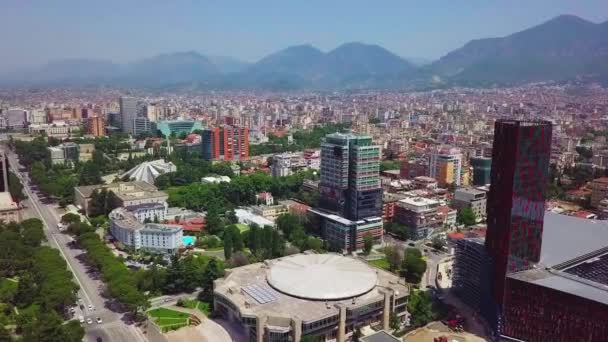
point(226, 64)
point(299, 60)
point(350, 64)
point(170, 68)
point(562, 48)
point(64, 71)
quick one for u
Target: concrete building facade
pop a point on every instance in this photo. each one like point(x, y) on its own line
point(325, 302)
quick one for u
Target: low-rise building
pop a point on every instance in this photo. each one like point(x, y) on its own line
point(265, 198)
point(347, 235)
point(127, 194)
point(153, 237)
point(151, 212)
point(9, 210)
point(473, 199)
point(270, 212)
point(285, 164)
point(326, 296)
point(57, 129)
point(215, 179)
point(419, 215)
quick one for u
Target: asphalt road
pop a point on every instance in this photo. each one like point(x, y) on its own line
point(112, 328)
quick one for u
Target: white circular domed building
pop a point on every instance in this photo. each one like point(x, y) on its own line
point(323, 295)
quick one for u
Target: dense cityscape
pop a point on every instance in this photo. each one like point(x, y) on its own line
point(314, 203)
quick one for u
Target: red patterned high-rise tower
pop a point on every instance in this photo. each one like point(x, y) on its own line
point(516, 202)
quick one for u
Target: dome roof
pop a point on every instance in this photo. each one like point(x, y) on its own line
point(321, 276)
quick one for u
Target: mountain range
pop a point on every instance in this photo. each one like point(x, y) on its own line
point(564, 48)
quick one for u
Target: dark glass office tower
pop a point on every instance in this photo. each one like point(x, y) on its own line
point(516, 202)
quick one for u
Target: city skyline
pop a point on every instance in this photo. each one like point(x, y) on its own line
point(249, 32)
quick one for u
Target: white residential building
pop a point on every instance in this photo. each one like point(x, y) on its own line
point(153, 237)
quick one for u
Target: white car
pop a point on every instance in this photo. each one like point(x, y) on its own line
point(80, 319)
point(99, 321)
point(89, 321)
point(91, 307)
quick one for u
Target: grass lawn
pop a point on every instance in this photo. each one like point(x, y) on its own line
point(198, 305)
point(167, 313)
point(168, 319)
point(380, 263)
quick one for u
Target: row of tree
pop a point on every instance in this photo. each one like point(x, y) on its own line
point(120, 281)
point(44, 290)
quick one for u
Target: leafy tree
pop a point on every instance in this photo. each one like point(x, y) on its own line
point(398, 230)
point(315, 244)
point(227, 246)
point(254, 242)
point(466, 216)
point(392, 257)
point(26, 290)
point(287, 223)
point(438, 243)
point(413, 266)
point(231, 216)
point(368, 243)
point(394, 322)
point(213, 222)
point(90, 174)
point(278, 244)
point(390, 165)
point(32, 232)
point(70, 218)
point(211, 273)
point(15, 187)
point(420, 307)
point(72, 331)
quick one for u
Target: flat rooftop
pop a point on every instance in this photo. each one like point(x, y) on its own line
point(569, 237)
point(241, 285)
point(569, 244)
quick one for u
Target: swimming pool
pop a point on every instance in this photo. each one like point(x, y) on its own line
point(189, 240)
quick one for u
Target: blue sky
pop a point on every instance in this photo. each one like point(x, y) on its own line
point(34, 32)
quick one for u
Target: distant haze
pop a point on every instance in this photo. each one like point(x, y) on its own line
point(36, 32)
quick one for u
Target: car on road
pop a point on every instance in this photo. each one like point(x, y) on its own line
point(80, 319)
point(91, 307)
point(99, 339)
point(412, 244)
point(89, 321)
point(99, 321)
point(72, 309)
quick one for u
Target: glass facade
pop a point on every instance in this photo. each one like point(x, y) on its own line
point(516, 201)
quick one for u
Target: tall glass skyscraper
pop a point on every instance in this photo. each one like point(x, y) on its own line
point(516, 202)
point(128, 113)
point(350, 176)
